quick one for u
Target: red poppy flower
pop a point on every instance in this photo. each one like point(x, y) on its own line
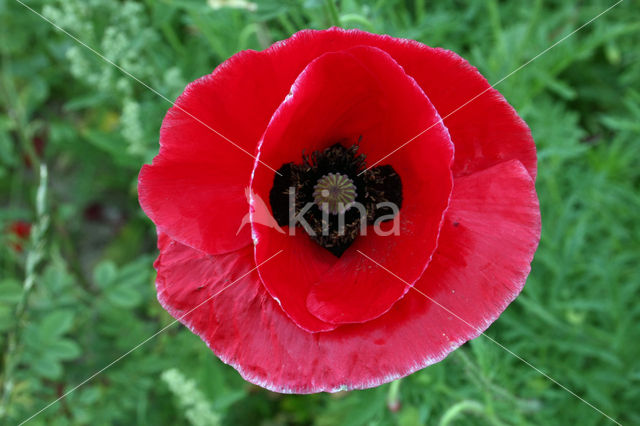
point(321, 112)
point(19, 232)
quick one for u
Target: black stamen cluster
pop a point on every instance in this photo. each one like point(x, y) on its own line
point(375, 185)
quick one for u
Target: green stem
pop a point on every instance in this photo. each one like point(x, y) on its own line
point(393, 397)
point(263, 35)
point(461, 408)
point(420, 7)
point(35, 254)
point(475, 374)
point(332, 13)
point(172, 38)
point(352, 18)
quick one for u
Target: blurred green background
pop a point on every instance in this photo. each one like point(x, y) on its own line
point(78, 292)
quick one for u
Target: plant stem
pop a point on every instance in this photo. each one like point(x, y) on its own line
point(332, 13)
point(353, 18)
point(35, 253)
point(393, 397)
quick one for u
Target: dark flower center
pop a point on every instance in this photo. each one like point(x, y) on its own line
point(333, 197)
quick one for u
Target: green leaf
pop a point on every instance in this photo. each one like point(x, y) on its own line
point(64, 349)
point(124, 296)
point(8, 155)
point(409, 416)
point(135, 273)
point(55, 324)
point(105, 273)
point(47, 367)
point(6, 317)
point(10, 291)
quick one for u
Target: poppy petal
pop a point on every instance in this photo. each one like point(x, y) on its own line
point(202, 205)
point(207, 145)
point(239, 97)
point(491, 231)
point(479, 268)
point(484, 128)
point(356, 94)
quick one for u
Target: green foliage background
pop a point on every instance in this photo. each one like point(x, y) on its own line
point(80, 294)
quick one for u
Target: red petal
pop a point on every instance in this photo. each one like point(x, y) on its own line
point(236, 101)
point(484, 128)
point(485, 132)
point(239, 97)
point(201, 204)
point(342, 96)
point(479, 268)
point(491, 232)
point(486, 243)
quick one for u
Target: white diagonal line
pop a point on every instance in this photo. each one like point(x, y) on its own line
point(493, 85)
point(494, 341)
point(145, 341)
point(128, 74)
